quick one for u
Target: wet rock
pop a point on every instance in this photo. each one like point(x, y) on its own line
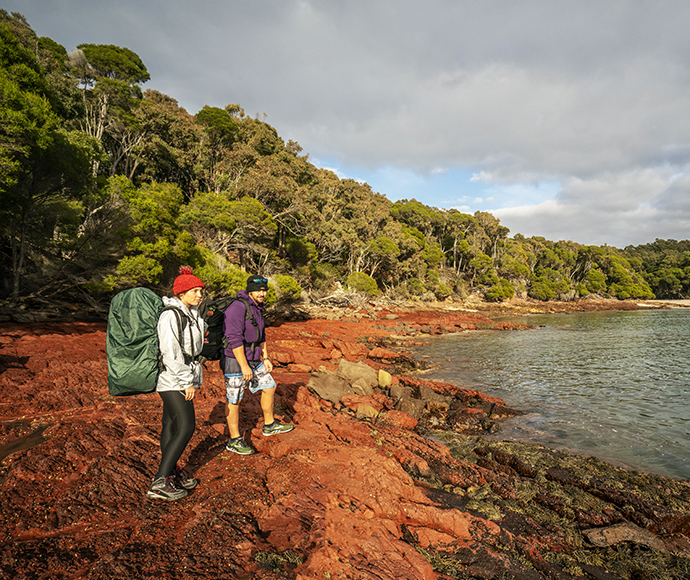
point(413, 407)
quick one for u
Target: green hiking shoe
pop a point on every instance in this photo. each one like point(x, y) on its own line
point(239, 446)
point(276, 428)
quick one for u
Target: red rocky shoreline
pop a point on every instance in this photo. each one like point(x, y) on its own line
point(364, 487)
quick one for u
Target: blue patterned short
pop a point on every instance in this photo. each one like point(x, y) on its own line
point(235, 383)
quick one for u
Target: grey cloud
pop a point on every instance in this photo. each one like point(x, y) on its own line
point(594, 94)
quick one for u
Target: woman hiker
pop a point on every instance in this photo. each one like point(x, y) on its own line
point(181, 337)
point(245, 363)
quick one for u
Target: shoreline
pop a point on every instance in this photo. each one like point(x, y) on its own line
point(356, 491)
point(549, 425)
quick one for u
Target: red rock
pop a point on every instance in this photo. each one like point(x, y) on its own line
point(299, 368)
point(382, 353)
point(343, 495)
point(354, 401)
point(397, 419)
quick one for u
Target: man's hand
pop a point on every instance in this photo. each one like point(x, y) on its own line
point(268, 364)
point(247, 372)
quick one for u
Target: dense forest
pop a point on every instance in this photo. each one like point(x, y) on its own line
point(104, 186)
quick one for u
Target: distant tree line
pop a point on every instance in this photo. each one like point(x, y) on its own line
point(104, 186)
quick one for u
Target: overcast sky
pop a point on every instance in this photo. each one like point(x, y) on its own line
point(568, 120)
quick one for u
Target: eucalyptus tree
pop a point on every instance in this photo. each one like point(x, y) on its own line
point(109, 78)
point(43, 167)
point(219, 133)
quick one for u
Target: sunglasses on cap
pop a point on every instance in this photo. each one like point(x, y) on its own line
point(260, 280)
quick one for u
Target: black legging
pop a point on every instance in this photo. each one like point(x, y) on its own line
point(179, 423)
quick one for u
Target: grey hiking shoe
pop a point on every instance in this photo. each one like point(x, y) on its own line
point(276, 428)
point(183, 480)
point(239, 446)
point(165, 488)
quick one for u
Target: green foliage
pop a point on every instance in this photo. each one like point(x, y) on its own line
point(665, 265)
point(500, 292)
point(596, 282)
point(547, 285)
point(300, 251)
point(443, 291)
point(219, 275)
point(290, 290)
point(324, 276)
point(362, 282)
point(156, 246)
point(113, 62)
point(415, 287)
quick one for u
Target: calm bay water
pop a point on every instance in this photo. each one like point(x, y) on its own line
point(615, 385)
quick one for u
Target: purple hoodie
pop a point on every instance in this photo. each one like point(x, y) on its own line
point(239, 331)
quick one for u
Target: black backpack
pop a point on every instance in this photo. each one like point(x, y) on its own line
point(212, 310)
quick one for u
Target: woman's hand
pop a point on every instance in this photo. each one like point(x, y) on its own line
point(189, 393)
point(268, 364)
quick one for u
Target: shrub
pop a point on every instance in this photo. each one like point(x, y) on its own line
point(219, 275)
point(541, 290)
point(500, 292)
point(362, 282)
point(415, 287)
point(596, 282)
point(301, 251)
point(324, 275)
point(290, 290)
point(443, 291)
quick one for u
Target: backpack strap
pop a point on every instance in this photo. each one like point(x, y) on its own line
point(249, 315)
point(181, 325)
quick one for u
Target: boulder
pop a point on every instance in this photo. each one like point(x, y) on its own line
point(385, 379)
point(413, 407)
point(366, 412)
point(329, 386)
point(399, 392)
point(362, 387)
point(351, 372)
point(427, 394)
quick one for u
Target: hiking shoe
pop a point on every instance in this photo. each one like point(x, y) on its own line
point(183, 480)
point(276, 428)
point(165, 488)
point(239, 446)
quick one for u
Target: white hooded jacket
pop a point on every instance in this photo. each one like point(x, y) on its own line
point(178, 375)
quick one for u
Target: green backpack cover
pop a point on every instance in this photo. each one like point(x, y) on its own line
point(132, 342)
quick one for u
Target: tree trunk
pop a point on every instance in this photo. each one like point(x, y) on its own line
point(18, 251)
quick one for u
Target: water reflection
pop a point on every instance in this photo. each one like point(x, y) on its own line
point(612, 384)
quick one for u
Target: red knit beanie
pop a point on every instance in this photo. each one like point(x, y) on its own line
point(186, 281)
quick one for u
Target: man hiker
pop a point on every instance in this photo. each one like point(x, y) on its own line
point(245, 363)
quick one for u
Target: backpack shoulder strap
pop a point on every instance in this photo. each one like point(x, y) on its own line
point(249, 315)
point(181, 325)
